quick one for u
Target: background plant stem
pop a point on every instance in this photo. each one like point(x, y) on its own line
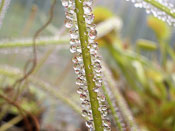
point(112, 108)
point(161, 7)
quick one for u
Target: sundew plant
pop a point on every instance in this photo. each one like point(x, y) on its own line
point(119, 87)
point(79, 19)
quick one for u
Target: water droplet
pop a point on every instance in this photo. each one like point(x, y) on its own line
point(83, 97)
point(74, 59)
point(89, 124)
point(74, 33)
point(102, 98)
point(69, 15)
point(68, 23)
point(73, 49)
point(89, 18)
point(72, 41)
point(84, 113)
point(80, 90)
point(87, 9)
point(96, 89)
point(92, 26)
point(104, 113)
point(107, 128)
point(79, 81)
point(88, 2)
point(103, 108)
point(92, 34)
point(65, 3)
point(77, 66)
point(79, 57)
point(86, 104)
point(106, 122)
point(79, 49)
point(93, 51)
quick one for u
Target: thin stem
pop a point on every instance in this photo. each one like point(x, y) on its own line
point(163, 50)
point(11, 123)
point(112, 108)
point(87, 64)
point(120, 100)
point(28, 43)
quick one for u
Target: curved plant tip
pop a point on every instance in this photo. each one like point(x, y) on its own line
point(159, 8)
point(79, 20)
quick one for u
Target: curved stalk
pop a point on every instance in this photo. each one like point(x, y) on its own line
point(15, 73)
point(83, 34)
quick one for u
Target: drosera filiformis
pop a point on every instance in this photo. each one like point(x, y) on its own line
point(87, 63)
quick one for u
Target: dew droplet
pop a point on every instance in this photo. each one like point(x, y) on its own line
point(80, 90)
point(89, 18)
point(88, 2)
point(86, 104)
point(87, 9)
point(72, 41)
point(68, 23)
point(79, 57)
point(92, 34)
point(96, 89)
point(73, 49)
point(106, 122)
point(74, 33)
point(69, 15)
point(79, 49)
point(89, 124)
point(79, 81)
point(83, 97)
point(65, 3)
point(107, 128)
point(84, 113)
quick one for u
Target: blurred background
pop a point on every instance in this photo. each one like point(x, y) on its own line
point(137, 49)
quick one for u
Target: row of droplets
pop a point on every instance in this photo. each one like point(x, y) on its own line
point(75, 48)
point(3, 10)
point(150, 9)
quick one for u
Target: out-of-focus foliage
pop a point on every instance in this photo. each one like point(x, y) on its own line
point(146, 45)
point(148, 86)
point(161, 29)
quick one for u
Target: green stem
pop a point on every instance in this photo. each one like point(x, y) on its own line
point(87, 64)
point(29, 43)
point(171, 53)
point(161, 7)
point(163, 50)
